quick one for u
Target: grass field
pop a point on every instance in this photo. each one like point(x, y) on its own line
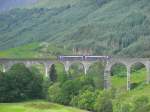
point(36, 106)
point(138, 77)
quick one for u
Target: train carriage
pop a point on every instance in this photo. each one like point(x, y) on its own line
point(95, 58)
point(71, 58)
point(83, 58)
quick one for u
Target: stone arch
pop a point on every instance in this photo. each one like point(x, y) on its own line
point(119, 75)
point(77, 68)
point(118, 64)
point(49, 64)
point(47, 67)
point(111, 64)
point(140, 62)
point(9, 64)
point(91, 64)
point(138, 73)
point(60, 67)
point(35, 64)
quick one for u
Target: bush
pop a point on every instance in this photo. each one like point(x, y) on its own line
point(54, 93)
point(70, 89)
point(3, 87)
point(53, 74)
point(84, 100)
point(62, 78)
point(122, 107)
point(103, 103)
point(37, 84)
point(19, 83)
point(141, 104)
point(46, 84)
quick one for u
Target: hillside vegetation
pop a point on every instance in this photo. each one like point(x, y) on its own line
point(112, 27)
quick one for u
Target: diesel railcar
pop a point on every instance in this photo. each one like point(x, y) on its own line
point(83, 58)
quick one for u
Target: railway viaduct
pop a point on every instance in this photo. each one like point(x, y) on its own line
point(128, 62)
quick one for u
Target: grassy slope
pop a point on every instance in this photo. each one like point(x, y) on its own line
point(136, 77)
point(142, 89)
point(128, 97)
point(35, 50)
point(36, 106)
point(116, 27)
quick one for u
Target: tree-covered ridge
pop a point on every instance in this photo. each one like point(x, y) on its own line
point(109, 27)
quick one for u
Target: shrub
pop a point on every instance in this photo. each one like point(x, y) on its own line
point(84, 100)
point(103, 103)
point(122, 107)
point(141, 104)
point(70, 89)
point(19, 83)
point(53, 74)
point(54, 93)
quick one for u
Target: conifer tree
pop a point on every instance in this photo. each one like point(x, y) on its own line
point(53, 74)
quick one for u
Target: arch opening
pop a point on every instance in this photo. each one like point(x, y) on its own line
point(138, 75)
point(76, 70)
point(57, 72)
point(118, 74)
point(39, 68)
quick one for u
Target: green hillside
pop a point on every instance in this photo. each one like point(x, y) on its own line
point(35, 50)
point(112, 27)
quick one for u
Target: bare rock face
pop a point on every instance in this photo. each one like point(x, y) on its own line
point(9, 4)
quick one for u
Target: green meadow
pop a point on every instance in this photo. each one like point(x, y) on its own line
point(36, 106)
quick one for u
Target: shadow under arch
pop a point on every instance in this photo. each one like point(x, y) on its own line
point(138, 74)
point(118, 72)
point(60, 71)
point(96, 72)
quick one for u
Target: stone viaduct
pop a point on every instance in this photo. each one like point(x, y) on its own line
point(128, 62)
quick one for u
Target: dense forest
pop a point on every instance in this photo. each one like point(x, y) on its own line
point(112, 27)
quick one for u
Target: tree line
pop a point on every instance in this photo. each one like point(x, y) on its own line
point(21, 83)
